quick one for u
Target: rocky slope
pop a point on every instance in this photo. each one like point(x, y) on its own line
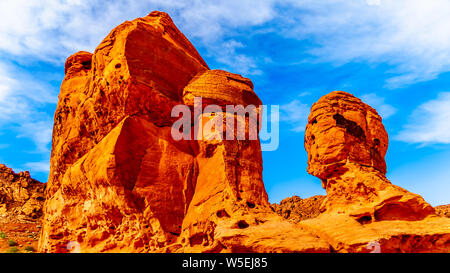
point(443, 210)
point(121, 182)
point(21, 201)
point(21, 197)
point(297, 209)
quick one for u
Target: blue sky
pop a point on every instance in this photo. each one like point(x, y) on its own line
point(393, 54)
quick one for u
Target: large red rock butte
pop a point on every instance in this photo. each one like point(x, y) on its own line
point(119, 182)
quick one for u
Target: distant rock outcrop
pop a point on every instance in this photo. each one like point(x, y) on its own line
point(297, 209)
point(443, 210)
point(119, 181)
point(21, 197)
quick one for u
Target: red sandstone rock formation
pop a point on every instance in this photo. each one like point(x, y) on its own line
point(119, 182)
point(443, 210)
point(297, 209)
point(346, 144)
point(21, 197)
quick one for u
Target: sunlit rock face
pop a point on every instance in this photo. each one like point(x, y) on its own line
point(119, 182)
point(342, 129)
point(346, 144)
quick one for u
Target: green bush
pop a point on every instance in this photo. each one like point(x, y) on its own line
point(12, 243)
point(30, 249)
point(13, 250)
point(2, 235)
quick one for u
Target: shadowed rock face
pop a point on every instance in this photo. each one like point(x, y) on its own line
point(119, 182)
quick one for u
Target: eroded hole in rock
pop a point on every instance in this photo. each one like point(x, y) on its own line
point(209, 151)
point(117, 65)
point(397, 211)
point(350, 126)
point(86, 65)
point(222, 213)
point(376, 141)
point(197, 239)
point(287, 214)
point(366, 219)
point(242, 224)
point(314, 121)
point(250, 205)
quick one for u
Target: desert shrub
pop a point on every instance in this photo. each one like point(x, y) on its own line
point(30, 249)
point(13, 250)
point(2, 235)
point(12, 243)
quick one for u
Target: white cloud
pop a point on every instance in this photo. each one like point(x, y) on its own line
point(54, 29)
point(373, 2)
point(40, 132)
point(413, 36)
point(39, 167)
point(384, 110)
point(429, 123)
point(296, 114)
point(20, 98)
point(226, 54)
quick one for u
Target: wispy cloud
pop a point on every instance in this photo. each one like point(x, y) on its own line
point(385, 110)
point(429, 123)
point(296, 114)
point(20, 99)
point(413, 36)
point(39, 167)
point(40, 132)
point(51, 30)
point(226, 53)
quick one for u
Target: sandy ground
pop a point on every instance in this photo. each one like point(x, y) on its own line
point(24, 234)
